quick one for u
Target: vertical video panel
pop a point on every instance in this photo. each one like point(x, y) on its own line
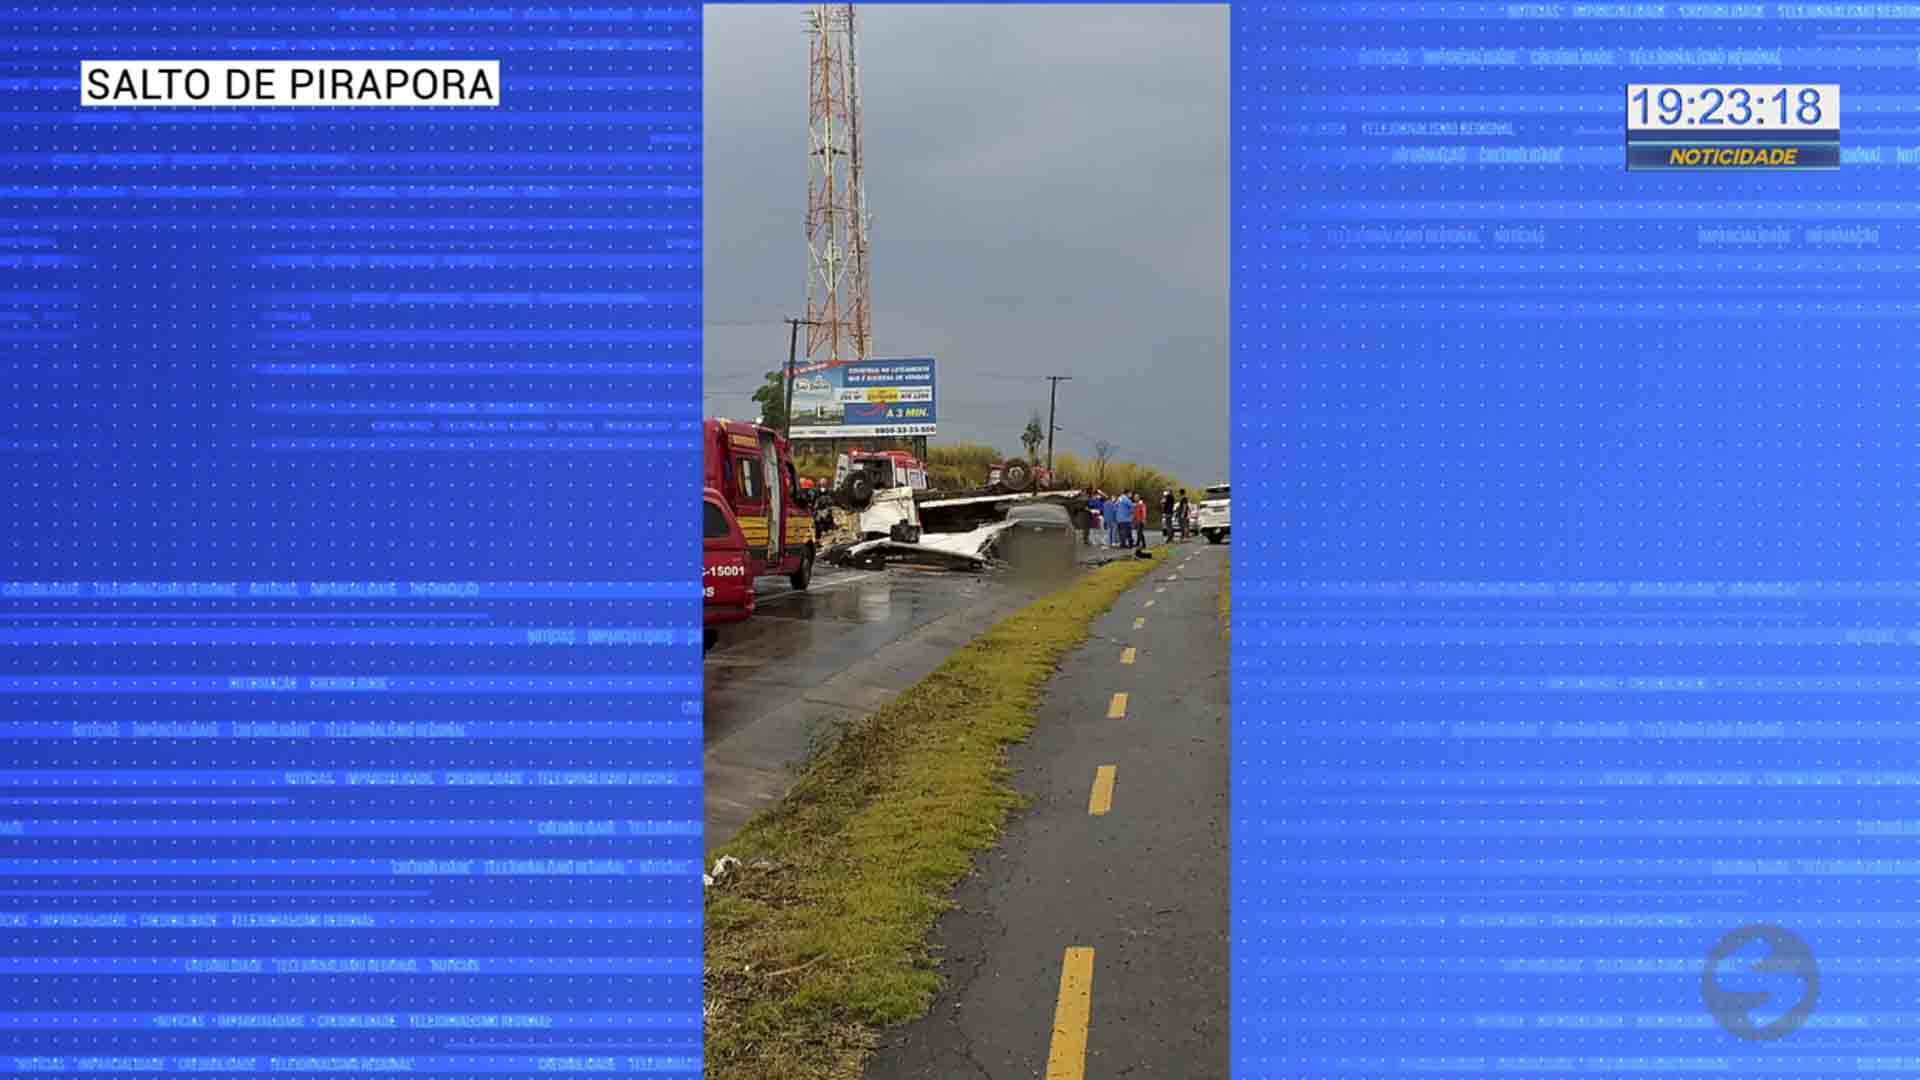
point(347, 670)
point(1575, 669)
point(969, 522)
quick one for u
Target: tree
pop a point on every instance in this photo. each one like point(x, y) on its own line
point(772, 399)
point(1102, 453)
point(1035, 434)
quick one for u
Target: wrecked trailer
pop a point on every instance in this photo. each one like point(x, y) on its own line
point(976, 533)
point(971, 550)
point(963, 512)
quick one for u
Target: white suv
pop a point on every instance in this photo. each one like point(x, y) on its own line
point(1216, 521)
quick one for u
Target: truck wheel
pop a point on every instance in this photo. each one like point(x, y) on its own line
point(803, 577)
point(858, 491)
point(712, 638)
point(1017, 476)
point(1213, 536)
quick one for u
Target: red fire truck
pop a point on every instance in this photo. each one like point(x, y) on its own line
point(729, 591)
point(751, 466)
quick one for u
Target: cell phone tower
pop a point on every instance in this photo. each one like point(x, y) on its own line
point(839, 281)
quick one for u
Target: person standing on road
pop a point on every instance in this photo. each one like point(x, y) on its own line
point(1095, 503)
point(1123, 520)
point(1185, 510)
point(1166, 515)
point(1139, 522)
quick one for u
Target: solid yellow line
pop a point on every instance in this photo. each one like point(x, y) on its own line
point(1126, 655)
point(1101, 800)
point(1067, 1057)
point(1139, 622)
point(1117, 709)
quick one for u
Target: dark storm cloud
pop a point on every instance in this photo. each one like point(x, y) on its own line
point(1049, 196)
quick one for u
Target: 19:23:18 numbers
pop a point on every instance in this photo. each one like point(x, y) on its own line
point(1739, 103)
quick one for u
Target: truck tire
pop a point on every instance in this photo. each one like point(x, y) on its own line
point(1214, 536)
point(712, 638)
point(857, 491)
point(803, 577)
point(1016, 476)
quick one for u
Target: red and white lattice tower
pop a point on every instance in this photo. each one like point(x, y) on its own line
point(839, 281)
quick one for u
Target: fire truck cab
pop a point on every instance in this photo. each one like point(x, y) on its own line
point(751, 467)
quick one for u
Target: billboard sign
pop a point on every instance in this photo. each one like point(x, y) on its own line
point(863, 399)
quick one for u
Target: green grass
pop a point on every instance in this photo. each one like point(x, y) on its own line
point(821, 936)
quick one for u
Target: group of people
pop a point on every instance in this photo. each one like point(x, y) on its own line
point(1123, 517)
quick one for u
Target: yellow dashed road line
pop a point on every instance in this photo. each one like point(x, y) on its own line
point(1117, 708)
point(1101, 799)
point(1127, 654)
point(1139, 622)
point(1067, 1058)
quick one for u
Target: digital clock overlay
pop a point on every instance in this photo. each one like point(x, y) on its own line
point(1745, 126)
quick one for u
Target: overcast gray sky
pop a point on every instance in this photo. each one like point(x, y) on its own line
point(1048, 186)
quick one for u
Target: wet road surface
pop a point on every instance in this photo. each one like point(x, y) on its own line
point(783, 682)
point(806, 663)
point(1092, 941)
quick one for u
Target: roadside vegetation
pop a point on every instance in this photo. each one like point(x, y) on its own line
point(958, 466)
point(820, 934)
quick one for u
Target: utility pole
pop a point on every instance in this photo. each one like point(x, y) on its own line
point(793, 345)
point(1053, 398)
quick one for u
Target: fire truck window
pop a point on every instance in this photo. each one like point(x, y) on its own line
point(747, 478)
point(716, 522)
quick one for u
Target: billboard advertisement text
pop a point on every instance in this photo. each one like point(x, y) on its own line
point(863, 399)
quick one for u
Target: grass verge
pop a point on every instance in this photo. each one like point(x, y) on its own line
point(821, 935)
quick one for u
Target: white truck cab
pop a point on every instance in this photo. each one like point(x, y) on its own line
point(1216, 518)
point(878, 486)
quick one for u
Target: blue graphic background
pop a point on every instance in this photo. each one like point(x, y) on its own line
point(348, 688)
point(1576, 583)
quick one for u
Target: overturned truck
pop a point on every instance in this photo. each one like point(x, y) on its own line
point(976, 531)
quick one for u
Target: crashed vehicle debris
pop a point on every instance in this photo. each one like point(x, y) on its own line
point(1018, 475)
point(971, 533)
point(881, 489)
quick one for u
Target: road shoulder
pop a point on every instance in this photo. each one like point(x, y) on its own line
point(1141, 885)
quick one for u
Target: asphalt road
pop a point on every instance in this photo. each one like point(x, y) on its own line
point(780, 685)
point(1095, 944)
point(783, 682)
